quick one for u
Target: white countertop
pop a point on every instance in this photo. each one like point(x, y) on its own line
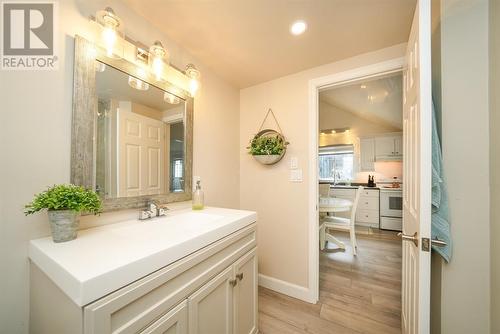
point(106, 258)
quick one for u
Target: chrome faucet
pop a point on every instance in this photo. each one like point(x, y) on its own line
point(153, 209)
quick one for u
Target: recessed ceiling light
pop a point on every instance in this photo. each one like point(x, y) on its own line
point(298, 27)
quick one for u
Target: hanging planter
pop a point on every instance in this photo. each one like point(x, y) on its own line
point(268, 146)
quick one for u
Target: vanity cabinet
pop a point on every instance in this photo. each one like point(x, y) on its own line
point(213, 290)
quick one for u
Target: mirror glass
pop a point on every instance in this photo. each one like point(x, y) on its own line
point(139, 137)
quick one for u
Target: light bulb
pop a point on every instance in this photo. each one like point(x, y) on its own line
point(171, 98)
point(193, 87)
point(194, 75)
point(109, 38)
point(157, 58)
point(137, 84)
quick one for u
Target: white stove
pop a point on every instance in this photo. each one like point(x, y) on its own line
point(391, 208)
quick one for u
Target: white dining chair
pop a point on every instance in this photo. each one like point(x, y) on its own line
point(346, 224)
point(324, 191)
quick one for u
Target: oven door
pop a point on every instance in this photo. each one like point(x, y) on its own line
point(391, 203)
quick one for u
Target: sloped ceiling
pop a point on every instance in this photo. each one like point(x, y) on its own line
point(248, 41)
point(378, 101)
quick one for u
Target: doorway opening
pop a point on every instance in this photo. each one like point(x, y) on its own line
point(360, 172)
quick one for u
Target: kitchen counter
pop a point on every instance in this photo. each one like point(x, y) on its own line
point(105, 258)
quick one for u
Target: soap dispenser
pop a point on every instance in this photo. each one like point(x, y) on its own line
point(198, 198)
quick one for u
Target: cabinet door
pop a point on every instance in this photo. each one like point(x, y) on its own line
point(211, 307)
point(245, 294)
point(384, 146)
point(174, 322)
point(398, 145)
point(367, 154)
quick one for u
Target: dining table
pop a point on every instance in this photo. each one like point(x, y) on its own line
point(333, 205)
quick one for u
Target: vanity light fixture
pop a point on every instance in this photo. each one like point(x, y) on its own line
point(194, 76)
point(137, 83)
point(110, 23)
point(171, 98)
point(298, 27)
point(363, 86)
point(158, 58)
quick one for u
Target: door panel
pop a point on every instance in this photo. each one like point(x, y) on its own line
point(211, 307)
point(174, 322)
point(245, 294)
point(417, 117)
point(141, 155)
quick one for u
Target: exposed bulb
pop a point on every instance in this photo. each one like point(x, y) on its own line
point(109, 38)
point(193, 87)
point(158, 57)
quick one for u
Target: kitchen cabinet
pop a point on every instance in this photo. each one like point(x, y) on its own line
point(368, 211)
point(367, 154)
point(388, 148)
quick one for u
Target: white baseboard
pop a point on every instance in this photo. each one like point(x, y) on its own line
point(286, 288)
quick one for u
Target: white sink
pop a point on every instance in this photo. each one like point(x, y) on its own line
point(102, 259)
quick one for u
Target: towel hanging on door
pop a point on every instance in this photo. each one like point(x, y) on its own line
point(440, 224)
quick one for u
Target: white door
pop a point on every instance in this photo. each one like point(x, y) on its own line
point(141, 155)
point(417, 122)
point(245, 294)
point(211, 307)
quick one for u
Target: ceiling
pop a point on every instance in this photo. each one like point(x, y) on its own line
point(113, 83)
point(376, 100)
point(248, 41)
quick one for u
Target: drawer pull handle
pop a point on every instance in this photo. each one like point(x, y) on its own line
point(233, 282)
point(239, 276)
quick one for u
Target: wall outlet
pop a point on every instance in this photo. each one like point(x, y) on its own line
point(294, 163)
point(296, 175)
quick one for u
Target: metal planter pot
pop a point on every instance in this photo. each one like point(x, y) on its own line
point(63, 224)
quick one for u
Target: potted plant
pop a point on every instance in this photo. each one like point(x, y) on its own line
point(64, 204)
point(268, 147)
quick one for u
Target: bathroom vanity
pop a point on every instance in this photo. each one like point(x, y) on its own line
point(187, 272)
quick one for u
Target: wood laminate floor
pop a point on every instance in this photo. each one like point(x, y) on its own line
point(358, 294)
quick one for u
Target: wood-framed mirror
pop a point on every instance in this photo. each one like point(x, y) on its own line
point(132, 135)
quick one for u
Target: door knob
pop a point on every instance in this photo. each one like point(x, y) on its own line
point(413, 238)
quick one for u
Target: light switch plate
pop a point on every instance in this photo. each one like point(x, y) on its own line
point(294, 162)
point(296, 175)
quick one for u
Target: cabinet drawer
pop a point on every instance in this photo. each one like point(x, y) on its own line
point(367, 216)
point(137, 305)
point(174, 322)
point(343, 193)
point(368, 203)
point(370, 193)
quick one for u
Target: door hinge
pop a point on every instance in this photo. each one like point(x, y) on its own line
point(426, 245)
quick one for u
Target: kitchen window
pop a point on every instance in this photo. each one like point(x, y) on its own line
point(336, 163)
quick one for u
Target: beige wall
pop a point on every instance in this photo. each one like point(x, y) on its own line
point(465, 281)
point(282, 205)
point(495, 163)
point(35, 130)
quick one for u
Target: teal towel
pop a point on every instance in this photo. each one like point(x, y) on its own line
point(440, 216)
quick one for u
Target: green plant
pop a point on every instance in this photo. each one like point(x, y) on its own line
point(267, 145)
point(65, 197)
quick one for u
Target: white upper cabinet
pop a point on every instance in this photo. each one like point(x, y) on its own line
point(388, 148)
point(367, 154)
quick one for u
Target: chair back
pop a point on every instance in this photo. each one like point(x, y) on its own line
point(355, 204)
point(324, 190)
